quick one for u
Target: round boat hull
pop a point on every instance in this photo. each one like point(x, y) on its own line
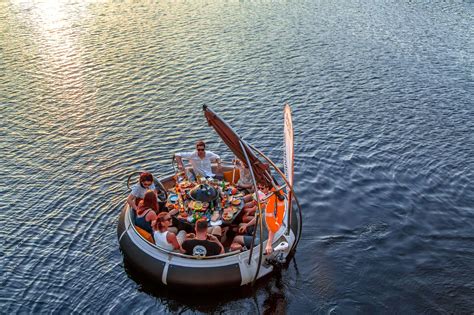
point(173, 269)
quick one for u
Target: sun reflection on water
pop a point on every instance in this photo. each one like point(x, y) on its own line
point(58, 51)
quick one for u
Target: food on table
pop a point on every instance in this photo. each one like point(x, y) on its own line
point(185, 184)
point(227, 216)
point(215, 216)
point(198, 206)
point(173, 198)
point(183, 216)
point(236, 202)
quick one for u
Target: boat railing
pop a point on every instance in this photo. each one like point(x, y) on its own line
point(177, 253)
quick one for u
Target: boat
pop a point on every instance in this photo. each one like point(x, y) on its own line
point(235, 268)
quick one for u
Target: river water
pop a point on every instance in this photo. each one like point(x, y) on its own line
point(381, 93)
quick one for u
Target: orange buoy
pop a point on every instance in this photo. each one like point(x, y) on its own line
point(274, 213)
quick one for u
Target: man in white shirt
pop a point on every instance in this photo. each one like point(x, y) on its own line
point(200, 160)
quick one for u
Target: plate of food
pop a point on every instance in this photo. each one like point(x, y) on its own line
point(227, 216)
point(215, 216)
point(236, 202)
point(185, 184)
point(198, 205)
point(196, 216)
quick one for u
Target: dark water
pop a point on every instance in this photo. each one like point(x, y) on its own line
point(381, 93)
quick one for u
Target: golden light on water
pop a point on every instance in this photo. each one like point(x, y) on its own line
point(57, 46)
point(51, 15)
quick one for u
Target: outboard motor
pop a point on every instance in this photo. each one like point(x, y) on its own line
point(278, 257)
point(279, 251)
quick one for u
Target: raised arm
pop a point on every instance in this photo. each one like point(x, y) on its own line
point(179, 160)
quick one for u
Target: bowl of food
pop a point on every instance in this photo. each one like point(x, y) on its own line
point(198, 206)
point(173, 198)
point(236, 202)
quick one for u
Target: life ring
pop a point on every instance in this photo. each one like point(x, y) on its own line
point(274, 213)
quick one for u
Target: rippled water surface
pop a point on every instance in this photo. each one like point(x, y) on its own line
point(381, 93)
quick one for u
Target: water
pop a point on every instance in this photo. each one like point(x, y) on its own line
point(381, 94)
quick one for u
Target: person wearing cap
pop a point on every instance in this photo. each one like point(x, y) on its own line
point(200, 160)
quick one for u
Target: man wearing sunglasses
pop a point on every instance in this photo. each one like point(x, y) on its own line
point(200, 160)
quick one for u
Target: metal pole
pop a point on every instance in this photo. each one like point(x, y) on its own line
point(292, 195)
point(259, 219)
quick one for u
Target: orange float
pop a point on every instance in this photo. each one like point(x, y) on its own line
point(274, 213)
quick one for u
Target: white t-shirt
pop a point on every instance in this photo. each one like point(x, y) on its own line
point(139, 192)
point(200, 166)
point(160, 240)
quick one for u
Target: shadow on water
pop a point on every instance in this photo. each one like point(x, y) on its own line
point(267, 296)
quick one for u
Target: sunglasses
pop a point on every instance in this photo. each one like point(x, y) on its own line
point(147, 183)
point(200, 149)
point(168, 219)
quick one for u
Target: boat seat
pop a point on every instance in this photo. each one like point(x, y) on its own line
point(228, 176)
point(145, 234)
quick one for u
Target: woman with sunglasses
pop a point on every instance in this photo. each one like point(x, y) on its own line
point(163, 237)
point(200, 160)
point(139, 189)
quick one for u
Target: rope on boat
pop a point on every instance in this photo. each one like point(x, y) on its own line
point(125, 231)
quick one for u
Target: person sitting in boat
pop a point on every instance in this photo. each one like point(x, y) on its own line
point(146, 211)
point(249, 219)
point(164, 238)
point(202, 244)
point(244, 240)
point(139, 189)
point(245, 181)
point(250, 200)
point(200, 161)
